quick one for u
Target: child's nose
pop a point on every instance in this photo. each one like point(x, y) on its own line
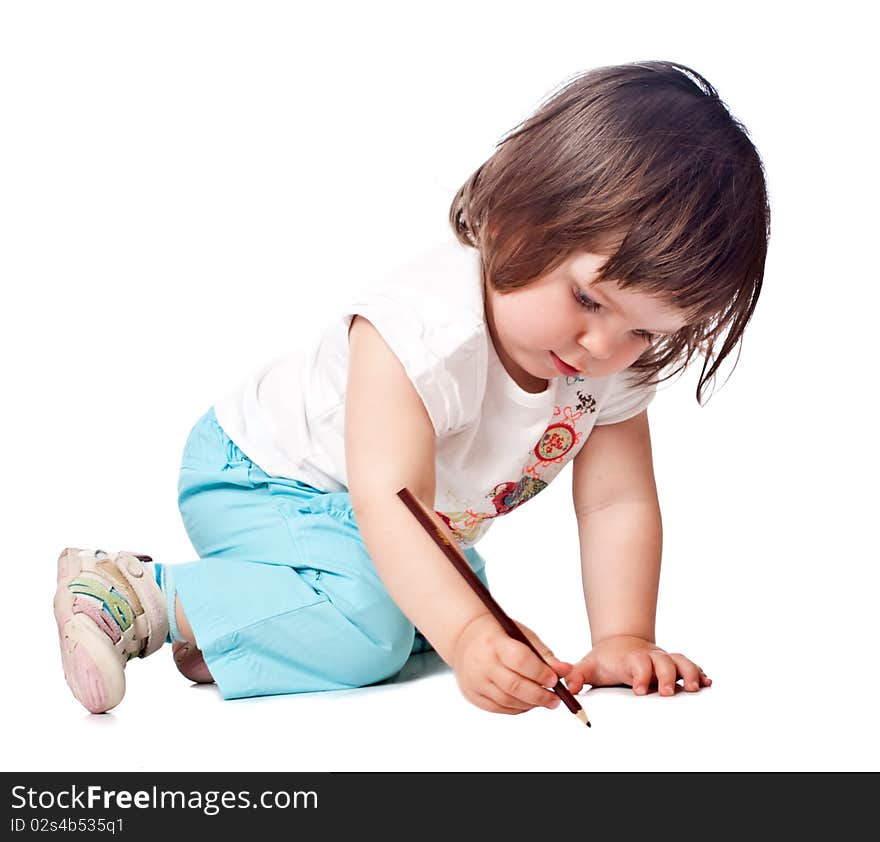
point(599, 344)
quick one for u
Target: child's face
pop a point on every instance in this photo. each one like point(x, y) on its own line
point(533, 324)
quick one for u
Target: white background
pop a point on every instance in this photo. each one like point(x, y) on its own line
point(190, 188)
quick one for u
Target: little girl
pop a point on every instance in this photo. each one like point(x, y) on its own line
point(611, 238)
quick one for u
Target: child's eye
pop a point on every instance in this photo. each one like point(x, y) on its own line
point(586, 302)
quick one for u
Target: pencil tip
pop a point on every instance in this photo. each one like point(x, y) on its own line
point(582, 715)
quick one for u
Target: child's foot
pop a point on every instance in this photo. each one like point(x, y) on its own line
point(189, 660)
point(109, 609)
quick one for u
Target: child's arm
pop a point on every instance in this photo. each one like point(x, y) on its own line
point(389, 443)
point(618, 516)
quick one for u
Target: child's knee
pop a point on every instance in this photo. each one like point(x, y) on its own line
point(384, 656)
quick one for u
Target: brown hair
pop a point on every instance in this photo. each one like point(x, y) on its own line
point(647, 158)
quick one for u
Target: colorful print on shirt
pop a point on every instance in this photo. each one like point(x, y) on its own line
point(559, 443)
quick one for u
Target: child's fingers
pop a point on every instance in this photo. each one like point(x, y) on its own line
point(666, 671)
point(525, 677)
point(489, 703)
point(561, 668)
point(690, 673)
point(574, 681)
point(642, 668)
point(515, 691)
point(585, 672)
point(543, 648)
point(518, 658)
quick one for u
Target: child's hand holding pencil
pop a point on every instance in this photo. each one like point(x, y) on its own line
point(502, 675)
point(500, 665)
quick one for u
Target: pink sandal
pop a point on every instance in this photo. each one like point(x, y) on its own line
point(109, 609)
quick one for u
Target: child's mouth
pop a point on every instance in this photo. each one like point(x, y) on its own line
point(562, 367)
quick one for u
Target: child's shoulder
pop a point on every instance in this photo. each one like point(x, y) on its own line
point(439, 286)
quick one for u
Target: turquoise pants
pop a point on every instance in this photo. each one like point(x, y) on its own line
point(284, 598)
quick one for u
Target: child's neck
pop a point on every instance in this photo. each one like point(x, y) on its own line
point(527, 382)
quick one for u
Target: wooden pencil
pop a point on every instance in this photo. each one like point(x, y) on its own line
point(455, 555)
